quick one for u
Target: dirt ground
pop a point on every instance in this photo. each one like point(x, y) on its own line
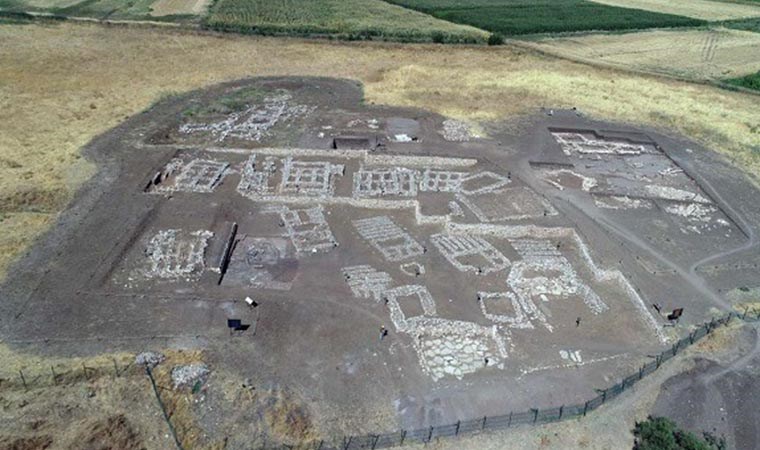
point(498, 265)
point(260, 389)
point(610, 427)
point(698, 9)
point(84, 79)
point(122, 412)
point(718, 396)
point(695, 54)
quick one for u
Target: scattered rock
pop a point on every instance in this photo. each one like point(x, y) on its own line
point(456, 131)
point(150, 359)
point(189, 374)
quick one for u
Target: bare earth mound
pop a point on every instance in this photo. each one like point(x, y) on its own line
point(400, 271)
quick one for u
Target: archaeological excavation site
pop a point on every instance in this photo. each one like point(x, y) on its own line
point(387, 268)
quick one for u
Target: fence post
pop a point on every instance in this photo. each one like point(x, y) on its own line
point(456, 433)
point(483, 427)
point(23, 380)
point(691, 337)
point(348, 442)
point(430, 434)
point(509, 423)
point(535, 415)
point(744, 316)
point(604, 395)
point(622, 388)
point(55, 378)
point(641, 372)
point(403, 437)
point(585, 408)
point(115, 367)
point(84, 369)
point(561, 409)
point(374, 441)
point(321, 442)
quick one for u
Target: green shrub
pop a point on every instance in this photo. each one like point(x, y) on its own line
point(661, 433)
point(750, 81)
point(495, 39)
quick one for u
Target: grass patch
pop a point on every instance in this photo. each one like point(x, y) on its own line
point(749, 81)
point(351, 19)
point(103, 9)
point(232, 102)
point(514, 17)
point(744, 24)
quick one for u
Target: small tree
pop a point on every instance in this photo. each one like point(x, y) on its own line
point(661, 433)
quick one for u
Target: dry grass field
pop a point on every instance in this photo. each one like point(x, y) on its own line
point(96, 409)
point(699, 54)
point(85, 412)
point(170, 7)
point(63, 84)
point(697, 9)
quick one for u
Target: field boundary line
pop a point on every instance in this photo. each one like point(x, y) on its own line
point(714, 82)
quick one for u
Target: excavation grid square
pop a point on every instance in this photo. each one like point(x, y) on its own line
point(307, 228)
point(366, 282)
point(176, 254)
point(470, 253)
point(313, 178)
point(441, 181)
point(388, 238)
point(577, 143)
point(201, 175)
point(379, 182)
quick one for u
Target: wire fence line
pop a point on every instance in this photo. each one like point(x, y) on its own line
point(59, 375)
point(533, 416)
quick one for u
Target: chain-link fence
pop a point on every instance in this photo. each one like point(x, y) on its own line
point(529, 417)
point(58, 375)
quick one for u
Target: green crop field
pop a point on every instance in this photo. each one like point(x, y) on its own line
point(752, 24)
point(347, 18)
point(749, 81)
point(511, 17)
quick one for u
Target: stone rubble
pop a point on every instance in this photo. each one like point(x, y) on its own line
point(149, 359)
point(188, 375)
point(253, 123)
